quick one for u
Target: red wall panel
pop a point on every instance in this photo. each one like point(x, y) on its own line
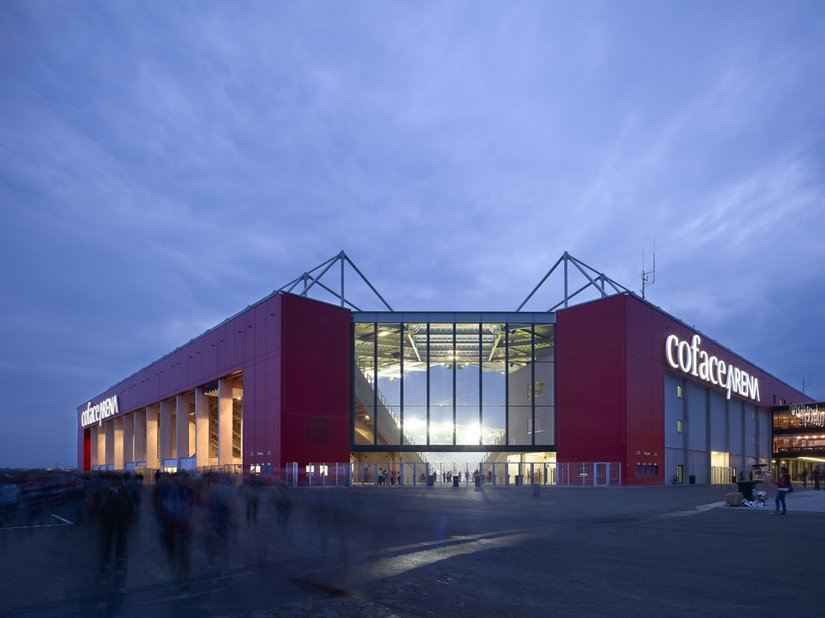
point(315, 379)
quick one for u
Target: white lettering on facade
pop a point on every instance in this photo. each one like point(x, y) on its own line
point(98, 412)
point(808, 414)
point(690, 359)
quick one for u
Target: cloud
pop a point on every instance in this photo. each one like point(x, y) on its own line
point(165, 166)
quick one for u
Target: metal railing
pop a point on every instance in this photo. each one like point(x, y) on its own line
point(404, 474)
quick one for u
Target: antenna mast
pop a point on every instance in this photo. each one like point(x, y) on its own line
point(806, 382)
point(648, 276)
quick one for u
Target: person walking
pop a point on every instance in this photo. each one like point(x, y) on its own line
point(783, 486)
point(804, 476)
point(817, 476)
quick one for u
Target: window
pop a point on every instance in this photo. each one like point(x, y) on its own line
point(536, 390)
point(679, 426)
point(647, 469)
point(679, 391)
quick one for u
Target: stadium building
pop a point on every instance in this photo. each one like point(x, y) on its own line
point(604, 390)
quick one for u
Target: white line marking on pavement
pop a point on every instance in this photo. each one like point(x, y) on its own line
point(65, 521)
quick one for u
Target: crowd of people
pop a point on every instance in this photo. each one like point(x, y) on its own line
point(187, 506)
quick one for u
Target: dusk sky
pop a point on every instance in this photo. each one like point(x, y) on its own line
point(166, 164)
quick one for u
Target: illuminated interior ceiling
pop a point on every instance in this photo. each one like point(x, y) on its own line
point(492, 345)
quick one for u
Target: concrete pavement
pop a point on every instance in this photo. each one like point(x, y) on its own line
point(440, 551)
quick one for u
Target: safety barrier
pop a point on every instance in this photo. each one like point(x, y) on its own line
point(499, 474)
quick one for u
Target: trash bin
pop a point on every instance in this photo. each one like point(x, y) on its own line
point(746, 489)
point(477, 480)
point(518, 479)
point(431, 480)
point(692, 479)
point(456, 479)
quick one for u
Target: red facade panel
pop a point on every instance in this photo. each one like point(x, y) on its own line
point(315, 381)
point(590, 382)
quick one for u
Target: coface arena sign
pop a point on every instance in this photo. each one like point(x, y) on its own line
point(688, 358)
point(96, 413)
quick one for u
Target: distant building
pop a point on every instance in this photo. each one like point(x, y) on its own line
point(292, 380)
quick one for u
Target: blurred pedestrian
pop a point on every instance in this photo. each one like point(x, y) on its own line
point(219, 503)
point(115, 508)
point(173, 503)
point(253, 487)
point(783, 486)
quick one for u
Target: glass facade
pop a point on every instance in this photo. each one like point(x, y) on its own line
point(465, 383)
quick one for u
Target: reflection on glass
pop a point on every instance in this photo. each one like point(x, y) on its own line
point(415, 365)
point(545, 341)
point(467, 430)
point(519, 419)
point(492, 429)
point(545, 425)
point(441, 424)
point(467, 385)
point(415, 424)
point(543, 391)
point(520, 344)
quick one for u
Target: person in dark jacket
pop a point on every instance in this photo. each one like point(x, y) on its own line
point(782, 488)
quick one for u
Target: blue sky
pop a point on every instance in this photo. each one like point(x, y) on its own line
point(163, 165)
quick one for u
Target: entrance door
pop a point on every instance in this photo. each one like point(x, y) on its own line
point(601, 474)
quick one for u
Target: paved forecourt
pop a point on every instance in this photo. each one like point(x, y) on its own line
point(435, 551)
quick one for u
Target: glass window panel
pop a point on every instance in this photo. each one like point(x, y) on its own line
point(467, 384)
point(544, 392)
point(364, 376)
point(415, 365)
point(520, 379)
point(545, 430)
point(493, 338)
point(492, 424)
point(467, 429)
point(493, 364)
point(545, 341)
point(441, 344)
point(441, 386)
point(441, 424)
point(519, 423)
point(389, 364)
point(520, 344)
point(389, 425)
point(415, 424)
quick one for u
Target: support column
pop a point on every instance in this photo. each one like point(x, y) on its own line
point(224, 422)
point(152, 433)
point(184, 446)
point(167, 432)
point(117, 443)
point(128, 438)
point(109, 432)
point(201, 428)
point(140, 435)
point(94, 449)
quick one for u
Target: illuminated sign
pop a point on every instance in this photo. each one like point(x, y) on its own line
point(96, 413)
point(808, 414)
point(688, 358)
